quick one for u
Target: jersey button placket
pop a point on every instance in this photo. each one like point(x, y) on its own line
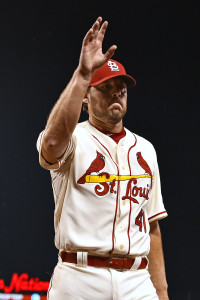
point(121, 228)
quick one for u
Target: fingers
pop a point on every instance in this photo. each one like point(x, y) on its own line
point(96, 26)
point(87, 37)
point(98, 22)
point(102, 31)
point(110, 52)
point(97, 33)
point(93, 32)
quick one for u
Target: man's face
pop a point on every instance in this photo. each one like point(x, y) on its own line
point(107, 101)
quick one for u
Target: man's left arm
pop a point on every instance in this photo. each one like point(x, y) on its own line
point(156, 262)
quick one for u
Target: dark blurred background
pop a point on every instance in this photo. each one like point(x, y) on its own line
point(40, 46)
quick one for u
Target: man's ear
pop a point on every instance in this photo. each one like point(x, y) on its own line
point(86, 97)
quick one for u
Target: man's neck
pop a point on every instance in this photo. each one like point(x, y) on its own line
point(107, 127)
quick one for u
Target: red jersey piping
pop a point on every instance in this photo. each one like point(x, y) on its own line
point(129, 219)
point(157, 214)
point(129, 152)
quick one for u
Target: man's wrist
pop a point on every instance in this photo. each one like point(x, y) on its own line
point(84, 77)
point(163, 294)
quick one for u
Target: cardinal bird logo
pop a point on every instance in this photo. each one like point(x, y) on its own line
point(97, 165)
point(144, 165)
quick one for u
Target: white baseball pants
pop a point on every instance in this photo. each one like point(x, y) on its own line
point(70, 282)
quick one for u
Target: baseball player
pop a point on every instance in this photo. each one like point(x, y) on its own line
point(106, 187)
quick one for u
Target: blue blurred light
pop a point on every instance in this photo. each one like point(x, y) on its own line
point(35, 297)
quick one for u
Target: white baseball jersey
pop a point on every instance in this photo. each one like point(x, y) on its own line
point(105, 193)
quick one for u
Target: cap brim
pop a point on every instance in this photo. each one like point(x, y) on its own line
point(130, 81)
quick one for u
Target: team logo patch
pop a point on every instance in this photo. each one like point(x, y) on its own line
point(113, 66)
point(97, 165)
point(144, 165)
point(106, 182)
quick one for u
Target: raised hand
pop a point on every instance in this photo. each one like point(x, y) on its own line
point(66, 112)
point(92, 57)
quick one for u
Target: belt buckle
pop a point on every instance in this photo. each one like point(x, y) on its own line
point(116, 263)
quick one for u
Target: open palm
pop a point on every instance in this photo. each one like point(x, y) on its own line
point(92, 57)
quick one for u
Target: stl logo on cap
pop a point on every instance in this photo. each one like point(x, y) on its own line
point(113, 66)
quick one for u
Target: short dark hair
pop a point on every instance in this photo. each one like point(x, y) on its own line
point(85, 107)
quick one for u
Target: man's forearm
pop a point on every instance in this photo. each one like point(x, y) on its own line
point(64, 117)
point(156, 262)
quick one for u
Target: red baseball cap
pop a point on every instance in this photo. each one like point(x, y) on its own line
point(109, 70)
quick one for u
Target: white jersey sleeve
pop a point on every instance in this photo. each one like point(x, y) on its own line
point(61, 161)
point(155, 206)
